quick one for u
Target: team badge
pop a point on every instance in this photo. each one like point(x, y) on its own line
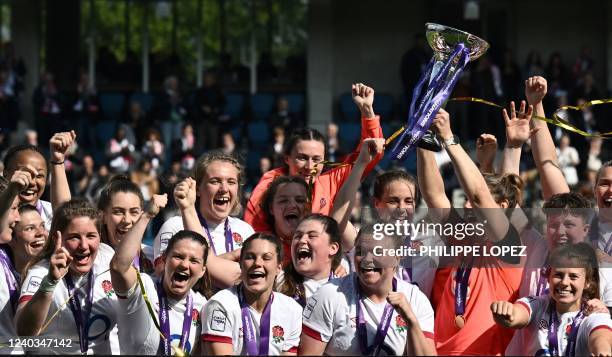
point(400, 324)
point(543, 324)
point(237, 239)
point(107, 286)
point(195, 317)
point(277, 334)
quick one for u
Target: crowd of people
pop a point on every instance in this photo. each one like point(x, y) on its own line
point(292, 272)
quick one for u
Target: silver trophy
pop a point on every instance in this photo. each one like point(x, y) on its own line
point(444, 41)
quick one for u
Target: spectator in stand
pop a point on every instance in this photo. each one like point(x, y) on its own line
point(146, 179)
point(278, 135)
point(568, 160)
point(487, 84)
point(97, 183)
point(183, 149)
point(86, 108)
point(46, 107)
point(583, 65)
point(556, 73)
point(534, 65)
point(333, 144)
point(209, 103)
point(84, 176)
point(120, 152)
point(588, 90)
point(16, 68)
point(171, 112)
point(153, 148)
point(229, 146)
point(594, 161)
point(137, 124)
point(413, 64)
point(282, 118)
point(511, 76)
point(31, 137)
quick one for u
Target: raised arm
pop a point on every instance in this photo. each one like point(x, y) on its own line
point(363, 97)
point(416, 342)
point(472, 181)
point(59, 144)
point(600, 342)
point(223, 272)
point(510, 315)
point(486, 149)
point(345, 199)
point(31, 315)
point(122, 274)
point(542, 145)
point(517, 133)
point(21, 179)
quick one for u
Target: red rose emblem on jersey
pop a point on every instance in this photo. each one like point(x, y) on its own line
point(195, 317)
point(416, 244)
point(400, 324)
point(277, 334)
point(323, 202)
point(107, 286)
point(237, 238)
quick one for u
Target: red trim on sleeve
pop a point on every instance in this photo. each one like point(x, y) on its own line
point(600, 327)
point(428, 335)
point(312, 333)
point(292, 350)
point(214, 338)
point(25, 298)
point(522, 303)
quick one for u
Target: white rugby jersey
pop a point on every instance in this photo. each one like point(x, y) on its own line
point(222, 322)
point(240, 231)
point(137, 332)
point(7, 316)
point(330, 316)
point(423, 267)
point(535, 334)
point(103, 317)
point(46, 212)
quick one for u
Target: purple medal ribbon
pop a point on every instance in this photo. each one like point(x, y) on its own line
point(381, 331)
point(9, 275)
point(462, 279)
point(81, 318)
point(136, 261)
point(542, 282)
point(553, 327)
point(229, 242)
point(441, 88)
point(248, 330)
point(164, 322)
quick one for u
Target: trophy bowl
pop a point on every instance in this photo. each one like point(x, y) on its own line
point(443, 39)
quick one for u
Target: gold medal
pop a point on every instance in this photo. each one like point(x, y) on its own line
point(459, 321)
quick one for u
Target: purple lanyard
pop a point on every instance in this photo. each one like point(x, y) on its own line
point(164, 321)
point(248, 330)
point(553, 327)
point(381, 331)
point(136, 261)
point(81, 318)
point(594, 237)
point(462, 279)
point(9, 274)
point(229, 242)
point(440, 88)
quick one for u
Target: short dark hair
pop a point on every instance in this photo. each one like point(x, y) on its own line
point(570, 203)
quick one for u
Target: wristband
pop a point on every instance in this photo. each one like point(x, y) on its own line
point(57, 162)
point(47, 285)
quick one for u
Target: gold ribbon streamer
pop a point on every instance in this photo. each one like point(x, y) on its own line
point(177, 351)
point(557, 120)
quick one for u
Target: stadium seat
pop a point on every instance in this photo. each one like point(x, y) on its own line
point(112, 105)
point(383, 106)
point(348, 109)
point(258, 134)
point(144, 99)
point(234, 104)
point(296, 102)
point(262, 106)
point(105, 130)
point(349, 134)
point(252, 163)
